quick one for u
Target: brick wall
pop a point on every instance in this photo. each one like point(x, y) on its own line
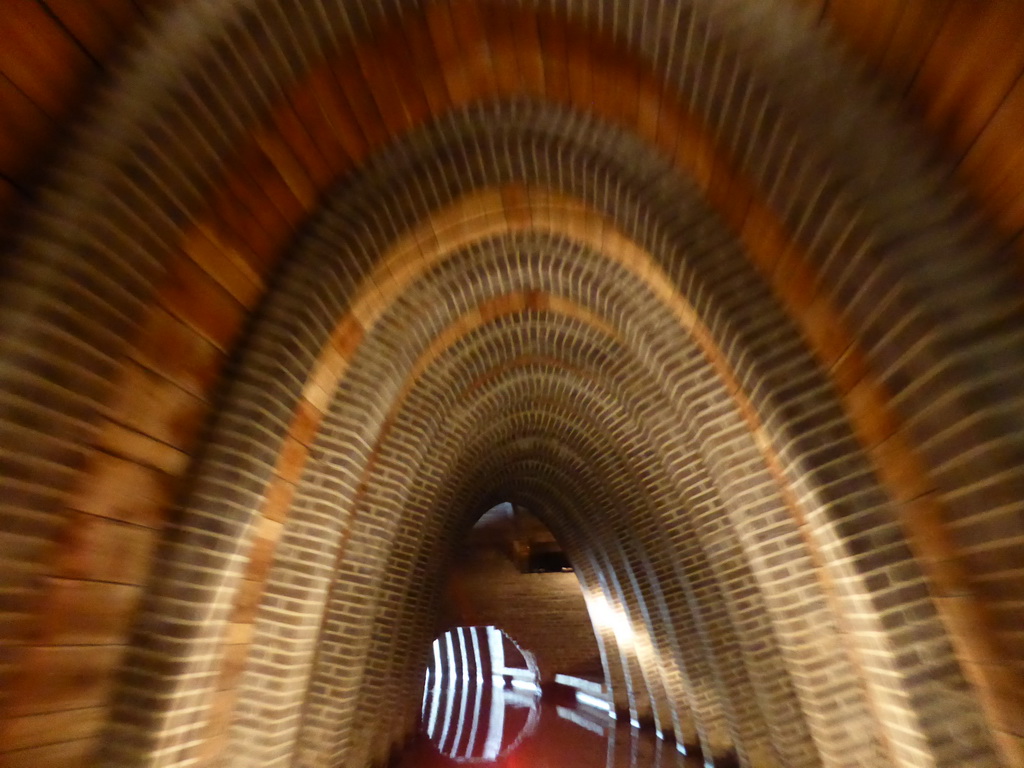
point(544, 612)
point(293, 291)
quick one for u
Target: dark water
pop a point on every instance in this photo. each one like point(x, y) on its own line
point(535, 731)
point(483, 706)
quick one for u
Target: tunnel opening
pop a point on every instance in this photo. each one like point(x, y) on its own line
point(489, 699)
point(509, 571)
point(592, 635)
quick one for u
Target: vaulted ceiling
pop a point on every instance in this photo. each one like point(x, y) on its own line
point(726, 292)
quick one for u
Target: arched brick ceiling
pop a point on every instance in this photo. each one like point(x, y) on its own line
point(296, 290)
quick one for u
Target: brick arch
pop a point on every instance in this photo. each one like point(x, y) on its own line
point(149, 233)
point(356, 729)
point(734, 676)
point(671, 701)
point(433, 442)
point(870, 427)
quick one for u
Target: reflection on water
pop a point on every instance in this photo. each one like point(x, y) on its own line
point(480, 696)
point(560, 735)
point(482, 705)
point(486, 723)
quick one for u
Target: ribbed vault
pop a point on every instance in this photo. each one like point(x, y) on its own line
point(364, 427)
point(670, 275)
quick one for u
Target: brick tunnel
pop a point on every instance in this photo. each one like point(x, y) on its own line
point(725, 293)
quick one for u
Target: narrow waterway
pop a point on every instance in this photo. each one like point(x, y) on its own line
point(515, 726)
point(555, 734)
point(483, 705)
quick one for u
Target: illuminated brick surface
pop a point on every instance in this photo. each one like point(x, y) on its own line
point(726, 293)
